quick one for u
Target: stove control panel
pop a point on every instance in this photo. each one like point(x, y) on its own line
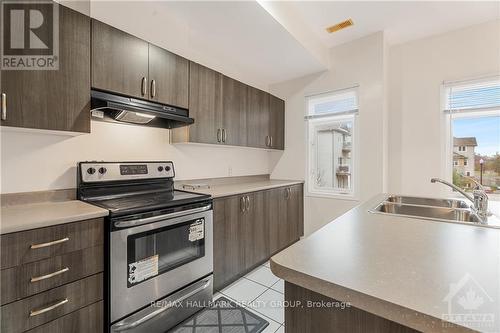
point(111, 171)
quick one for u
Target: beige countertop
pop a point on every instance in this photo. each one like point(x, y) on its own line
point(414, 272)
point(43, 214)
point(246, 186)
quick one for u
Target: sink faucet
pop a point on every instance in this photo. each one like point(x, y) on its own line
point(479, 197)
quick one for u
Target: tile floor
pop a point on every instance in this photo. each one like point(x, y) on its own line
point(261, 292)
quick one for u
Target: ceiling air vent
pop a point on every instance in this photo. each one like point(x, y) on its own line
point(340, 26)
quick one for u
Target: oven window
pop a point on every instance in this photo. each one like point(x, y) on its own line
point(155, 252)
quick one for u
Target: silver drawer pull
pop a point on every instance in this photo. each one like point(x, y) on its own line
point(59, 241)
point(43, 277)
point(48, 308)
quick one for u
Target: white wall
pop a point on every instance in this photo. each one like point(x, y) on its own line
point(360, 62)
point(34, 161)
point(416, 71)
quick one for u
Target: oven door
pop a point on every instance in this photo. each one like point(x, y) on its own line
point(155, 256)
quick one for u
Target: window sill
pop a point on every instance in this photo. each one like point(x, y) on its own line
point(347, 197)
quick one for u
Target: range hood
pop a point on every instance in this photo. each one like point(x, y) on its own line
point(117, 108)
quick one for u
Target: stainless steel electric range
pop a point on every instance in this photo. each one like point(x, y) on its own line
point(158, 240)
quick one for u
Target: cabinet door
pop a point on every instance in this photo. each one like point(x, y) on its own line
point(257, 118)
point(54, 99)
point(119, 61)
point(205, 106)
point(229, 256)
point(277, 122)
point(168, 77)
point(275, 207)
point(234, 112)
point(295, 213)
point(255, 230)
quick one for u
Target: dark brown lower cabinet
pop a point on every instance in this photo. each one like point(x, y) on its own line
point(88, 319)
point(301, 318)
point(249, 228)
point(229, 255)
point(286, 211)
point(42, 308)
point(52, 279)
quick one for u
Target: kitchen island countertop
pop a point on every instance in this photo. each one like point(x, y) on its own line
point(406, 270)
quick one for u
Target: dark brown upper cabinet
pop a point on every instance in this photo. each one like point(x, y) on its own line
point(258, 119)
point(128, 65)
point(54, 99)
point(276, 123)
point(168, 77)
point(205, 106)
point(119, 61)
point(229, 112)
point(234, 108)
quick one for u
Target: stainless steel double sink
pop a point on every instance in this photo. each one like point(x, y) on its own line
point(446, 210)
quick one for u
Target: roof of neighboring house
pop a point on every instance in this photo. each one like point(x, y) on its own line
point(459, 156)
point(470, 141)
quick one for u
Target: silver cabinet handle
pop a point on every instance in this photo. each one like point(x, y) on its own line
point(224, 137)
point(268, 140)
point(123, 325)
point(47, 276)
point(153, 88)
point(144, 86)
point(48, 308)
point(248, 203)
point(59, 241)
point(271, 142)
point(287, 193)
point(242, 205)
point(218, 135)
point(4, 106)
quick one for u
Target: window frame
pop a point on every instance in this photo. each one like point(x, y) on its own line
point(448, 138)
point(311, 191)
point(446, 119)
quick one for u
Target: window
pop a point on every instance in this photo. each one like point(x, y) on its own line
point(473, 109)
point(331, 148)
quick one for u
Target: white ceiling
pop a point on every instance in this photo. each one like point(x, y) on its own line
point(401, 20)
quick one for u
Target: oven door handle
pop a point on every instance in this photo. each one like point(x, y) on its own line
point(123, 326)
point(134, 223)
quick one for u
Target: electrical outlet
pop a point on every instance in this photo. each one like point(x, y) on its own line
point(229, 171)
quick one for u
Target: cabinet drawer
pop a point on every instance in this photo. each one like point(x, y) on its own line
point(87, 319)
point(32, 278)
point(37, 244)
point(37, 310)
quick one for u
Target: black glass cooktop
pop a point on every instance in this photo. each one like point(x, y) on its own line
point(143, 202)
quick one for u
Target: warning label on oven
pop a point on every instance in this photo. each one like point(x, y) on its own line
point(141, 270)
point(196, 230)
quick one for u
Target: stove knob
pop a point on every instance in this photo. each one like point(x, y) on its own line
point(91, 171)
point(102, 170)
point(160, 168)
point(167, 168)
